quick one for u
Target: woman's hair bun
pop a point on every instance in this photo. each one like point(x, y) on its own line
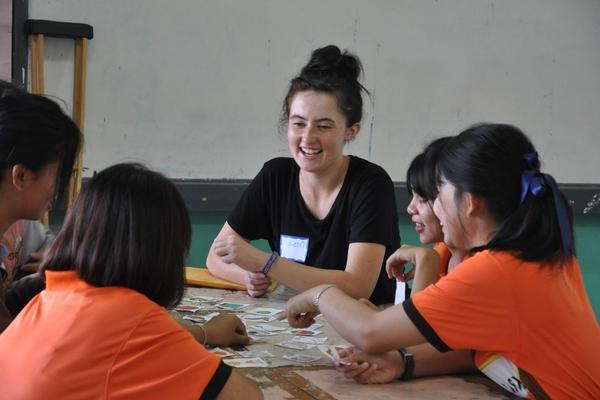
point(330, 60)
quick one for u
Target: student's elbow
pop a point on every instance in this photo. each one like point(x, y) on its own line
point(368, 338)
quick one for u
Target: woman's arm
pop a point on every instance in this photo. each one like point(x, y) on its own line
point(389, 366)
point(358, 279)
point(361, 325)
point(239, 387)
point(256, 283)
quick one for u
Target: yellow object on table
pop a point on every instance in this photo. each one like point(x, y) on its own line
point(197, 276)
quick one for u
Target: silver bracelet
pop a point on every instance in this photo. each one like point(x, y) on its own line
point(318, 296)
point(205, 335)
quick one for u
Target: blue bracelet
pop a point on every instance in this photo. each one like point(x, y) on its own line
point(267, 267)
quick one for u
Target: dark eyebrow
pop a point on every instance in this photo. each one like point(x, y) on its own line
point(326, 120)
point(297, 116)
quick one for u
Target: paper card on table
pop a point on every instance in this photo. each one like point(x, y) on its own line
point(221, 352)
point(246, 362)
point(256, 354)
point(331, 351)
point(270, 328)
point(256, 318)
point(302, 332)
point(198, 319)
point(289, 344)
point(205, 299)
point(232, 306)
point(400, 292)
point(301, 358)
point(309, 339)
point(187, 308)
point(260, 332)
point(265, 311)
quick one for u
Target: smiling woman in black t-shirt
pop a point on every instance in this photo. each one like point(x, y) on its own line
point(328, 217)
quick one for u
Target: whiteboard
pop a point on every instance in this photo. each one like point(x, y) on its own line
point(194, 88)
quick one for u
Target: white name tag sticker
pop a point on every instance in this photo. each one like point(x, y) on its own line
point(293, 247)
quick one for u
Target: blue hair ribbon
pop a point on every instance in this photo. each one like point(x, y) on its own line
point(535, 182)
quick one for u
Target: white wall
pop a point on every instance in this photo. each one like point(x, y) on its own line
point(194, 88)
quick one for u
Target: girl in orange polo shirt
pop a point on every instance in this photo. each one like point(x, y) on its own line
point(520, 294)
point(100, 328)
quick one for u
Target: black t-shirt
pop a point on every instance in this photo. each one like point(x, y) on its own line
point(364, 211)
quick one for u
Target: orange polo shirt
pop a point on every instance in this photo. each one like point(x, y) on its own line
point(77, 341)
point(538, 318)
point(444, 253)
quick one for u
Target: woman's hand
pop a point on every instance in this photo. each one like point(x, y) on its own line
point(301, 310)
point(232, 249)
point(420, 257)
point(370, 368)
point(256, 283)
point(224, 330)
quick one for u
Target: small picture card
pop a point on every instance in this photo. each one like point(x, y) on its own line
point(256, 354)
point(260, 332)
point(331, 351)
point(246, 362)
point(400, 292)
point(206, 299)
point(187, 308)
point(289, 344)
point(221, 352)
point(309, 339)
point(302, 332)
point(256, 318)
point(232, 306)
point(301, 358)
point(270, 328)
point(265, 311)
point(197, 319)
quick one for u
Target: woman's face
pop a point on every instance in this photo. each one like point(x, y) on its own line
point(449, 211)
point(317, 131)
point(426, 223)
point(41, 191)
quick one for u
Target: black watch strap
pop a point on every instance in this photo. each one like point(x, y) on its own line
point(409, 364)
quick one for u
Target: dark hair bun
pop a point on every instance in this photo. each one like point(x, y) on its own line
point(330, 60)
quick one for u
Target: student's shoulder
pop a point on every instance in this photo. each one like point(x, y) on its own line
point(278, 163)
point(364, 169)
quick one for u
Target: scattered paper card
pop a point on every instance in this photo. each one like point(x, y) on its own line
point(302, 332)
point(289, 344)
point(221, 352)
point(331, 351)
point(301, 358)
point(246, 362)
point(187, 308)
point(256, 318)
point(265, 311)
point(400, 292)
point(256, 354)
point(270, 328)
point(309, 339)
point(232, 306)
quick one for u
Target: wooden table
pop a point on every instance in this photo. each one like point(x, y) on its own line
point(319, 380)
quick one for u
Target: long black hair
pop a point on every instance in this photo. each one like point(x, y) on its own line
point(421, 176)
point(35, 132)
point(496, 162)
point(330, 70)
point(129, 227)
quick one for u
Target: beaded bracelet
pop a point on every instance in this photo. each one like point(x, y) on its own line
point(270, 261)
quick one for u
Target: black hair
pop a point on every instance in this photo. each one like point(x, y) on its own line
point(34, 132)
point(488, 160)
point(421, 175)
point(10, 89)
point(129, 227)
point(330, 70)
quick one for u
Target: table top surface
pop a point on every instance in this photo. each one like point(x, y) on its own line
point(314, 377)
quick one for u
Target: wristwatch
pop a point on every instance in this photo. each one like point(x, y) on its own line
point(409, 364)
